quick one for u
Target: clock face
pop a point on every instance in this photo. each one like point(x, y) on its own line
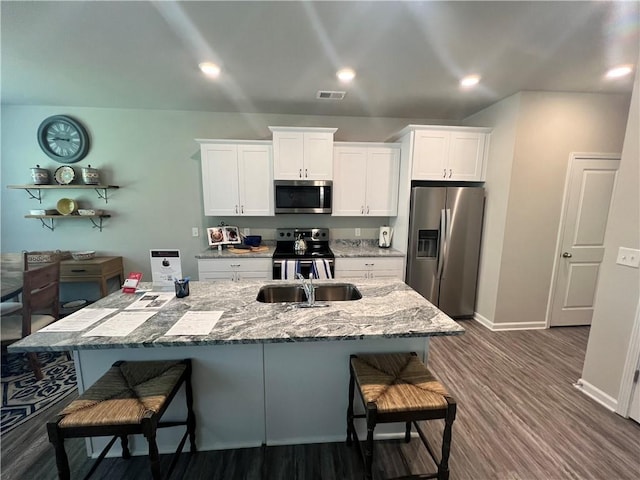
point(63, 139)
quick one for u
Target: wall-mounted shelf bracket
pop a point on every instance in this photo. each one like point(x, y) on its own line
point(36, 197)
point(49, 225)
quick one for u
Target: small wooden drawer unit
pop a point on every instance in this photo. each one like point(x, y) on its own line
point(98, 269)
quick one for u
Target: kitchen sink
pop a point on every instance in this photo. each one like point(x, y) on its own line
point(335, 292)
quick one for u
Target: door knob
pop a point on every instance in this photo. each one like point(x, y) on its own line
point(567, 255)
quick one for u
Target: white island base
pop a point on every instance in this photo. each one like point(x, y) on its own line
point(247, 395)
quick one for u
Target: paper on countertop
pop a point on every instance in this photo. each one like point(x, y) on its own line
point(79, 320)
point(152, 301)
point(195, 323)
point(120, 325)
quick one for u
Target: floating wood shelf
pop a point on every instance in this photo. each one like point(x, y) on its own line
point(48, 220)
point(101, 190)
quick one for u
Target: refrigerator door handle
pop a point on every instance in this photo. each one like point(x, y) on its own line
point(447, 236)
point(443, 242)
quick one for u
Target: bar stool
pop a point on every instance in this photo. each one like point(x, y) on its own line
point(398, 387)
point(130, 398)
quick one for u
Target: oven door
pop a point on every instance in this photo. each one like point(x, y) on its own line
point(286, 269)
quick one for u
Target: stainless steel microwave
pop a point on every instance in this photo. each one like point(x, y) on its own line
point(303, 196)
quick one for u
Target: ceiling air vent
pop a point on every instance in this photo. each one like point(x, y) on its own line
point(330, 95)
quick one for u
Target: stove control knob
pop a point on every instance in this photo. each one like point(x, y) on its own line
point(288, 234)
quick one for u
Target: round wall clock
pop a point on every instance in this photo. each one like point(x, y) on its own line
point(63, 139)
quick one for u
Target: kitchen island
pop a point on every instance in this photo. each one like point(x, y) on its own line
point(267, 372)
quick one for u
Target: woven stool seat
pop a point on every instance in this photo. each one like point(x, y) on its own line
point(129, 398)
point(398, 387)
point(127, 393)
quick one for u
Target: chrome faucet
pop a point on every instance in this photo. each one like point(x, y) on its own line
point(309, 289)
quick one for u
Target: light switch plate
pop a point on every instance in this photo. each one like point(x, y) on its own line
point(357, 232)
point(194, 232)
point(247, 232)
point(629, 257)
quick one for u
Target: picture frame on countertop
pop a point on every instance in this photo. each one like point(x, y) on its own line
point(224, 235)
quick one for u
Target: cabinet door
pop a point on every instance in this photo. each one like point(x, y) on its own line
point(318, 156)
point(349, 182)
point(288, 155)
point(383, 176)
point(219, 179)
point(430, 153)
point(466, 156)
point(255, 180)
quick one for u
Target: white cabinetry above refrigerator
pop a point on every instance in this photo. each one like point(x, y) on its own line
point(237, 177)
point(365, 179)
point(303, 153)
point(447, 153)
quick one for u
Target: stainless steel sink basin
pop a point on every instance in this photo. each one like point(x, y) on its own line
point(335, 292)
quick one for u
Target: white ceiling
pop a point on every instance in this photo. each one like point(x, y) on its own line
point(275, 56)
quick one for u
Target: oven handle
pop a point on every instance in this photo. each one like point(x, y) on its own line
point(302, 262)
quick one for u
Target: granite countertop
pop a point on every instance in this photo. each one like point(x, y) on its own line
point(362, 248)
point(388, 308)
point(225, 253)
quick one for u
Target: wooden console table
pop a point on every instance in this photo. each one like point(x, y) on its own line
point(98, 269)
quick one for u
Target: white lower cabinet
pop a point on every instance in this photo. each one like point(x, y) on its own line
point(214, 269)
point(365, 180)
point(370, 267)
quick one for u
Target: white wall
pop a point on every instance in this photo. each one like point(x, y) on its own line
point(503, 117)
point(618, 292)
point(152, 156)
point(519, 243)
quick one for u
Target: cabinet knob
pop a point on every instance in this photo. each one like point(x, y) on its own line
point(241, 208)
point(444, 173)
point(450, 172)
point(300, 173)
point(362, 210)
point(236, 208)
point(306, 173)
point(567, 255)
point(367, 209)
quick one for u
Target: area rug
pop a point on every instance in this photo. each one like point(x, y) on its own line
point(23, 397)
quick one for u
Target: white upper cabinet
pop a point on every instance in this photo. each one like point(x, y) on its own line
point(303, 153)
point(366, 178)
point(237, 177)
point(448, 153)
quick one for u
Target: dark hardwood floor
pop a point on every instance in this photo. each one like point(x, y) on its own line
point(519, 418)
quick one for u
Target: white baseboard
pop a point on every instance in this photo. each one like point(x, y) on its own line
point(598, 395)
point(499, 327)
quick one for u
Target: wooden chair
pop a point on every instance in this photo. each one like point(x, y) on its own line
point(130, 398)
point(40, 307)
point(394, 388)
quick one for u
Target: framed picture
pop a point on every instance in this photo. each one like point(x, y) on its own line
point(223, 235)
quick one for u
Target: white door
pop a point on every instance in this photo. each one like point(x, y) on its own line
point(465, 158)
point(587, 201)
point(430, 155)
point(383, 170)
point(220, 179)
point(350, 181)
point(318, 156)
point(634, 408)
point(255, 180)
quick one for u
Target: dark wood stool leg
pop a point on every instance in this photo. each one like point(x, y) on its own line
point(149, 431)
point(124, 441)
point(62, 462)
point(407, 432)
point(372, 411)
point(443, 467)
point(191, 417)
point(350, 426)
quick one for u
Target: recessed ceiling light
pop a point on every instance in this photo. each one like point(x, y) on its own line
point(210, 69)
point(346, 75)
point(620, 71)
point(469, 81)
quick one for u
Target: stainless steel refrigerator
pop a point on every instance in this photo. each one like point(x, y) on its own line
point(445, 228)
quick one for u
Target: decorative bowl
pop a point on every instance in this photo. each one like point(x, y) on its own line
point(253, 240)
point(84, 255)
point(66, 206)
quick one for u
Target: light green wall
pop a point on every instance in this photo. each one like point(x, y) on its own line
point(152, 156)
